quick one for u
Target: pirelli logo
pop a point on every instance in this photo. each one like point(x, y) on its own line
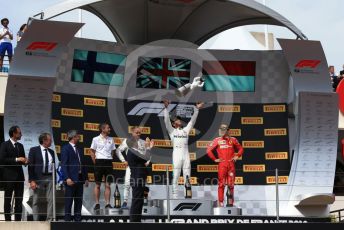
point(276, 156)
point(118, 140)
point(281, 179)
point(228, 108)
point(64, 137)
point(193, 180)
point(235, 132)
point(162, 143)
point(87, 151)
point(207, 168)
point(94, 102)
point(162, 167)
point(275, 132)
point(144, 130)
point(203, 144)
point(253, 144)
point(192, 156)
point(252, 120)
point(149, 180)
point(274, 108)
point(57, 149)
point(56, 98)
point(119, 166)
point(239, 180)
point(91, 126)
point(90, 177)
point(192, 132)
point(56, 123)
point(72, 112)
point(254, 168)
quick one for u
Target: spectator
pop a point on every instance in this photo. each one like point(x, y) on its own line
point(41, 159)
point(6, 36)
point(334, 78)
point(21, 32)
point(12, 157)
point(75, 176)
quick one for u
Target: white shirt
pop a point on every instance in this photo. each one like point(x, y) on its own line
point(124, 148)
point(7, 37)
point(103, 147)
point(13, 142)
point(50, 160)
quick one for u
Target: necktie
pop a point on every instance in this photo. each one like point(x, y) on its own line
point(77, 153)
point(46, 164)
point(16, 148)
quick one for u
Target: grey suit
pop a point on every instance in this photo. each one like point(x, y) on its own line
point(45, 184)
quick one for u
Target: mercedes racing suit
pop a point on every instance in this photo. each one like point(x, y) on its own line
point(124, 148)
point(180, 157)
point(225, 148)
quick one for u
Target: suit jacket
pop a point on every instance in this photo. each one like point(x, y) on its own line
point(12, 170)
point(36, 163)
point(138, 170)
point(70, 164)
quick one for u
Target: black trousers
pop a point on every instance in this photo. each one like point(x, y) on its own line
point(73, 194)
point(136, 203)
point(18, 189)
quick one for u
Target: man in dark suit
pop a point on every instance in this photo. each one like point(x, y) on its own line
point(75, 175)
point(138, 154)
point(41, 169)
point(12, 157)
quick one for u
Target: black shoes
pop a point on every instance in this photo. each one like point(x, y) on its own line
point(96, 207)
point(108, 206)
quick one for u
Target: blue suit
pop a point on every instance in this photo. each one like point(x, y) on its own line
point(73, 168)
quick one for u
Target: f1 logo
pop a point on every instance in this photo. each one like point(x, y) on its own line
point(188, 206)
point(47, 46)
point(308, 64)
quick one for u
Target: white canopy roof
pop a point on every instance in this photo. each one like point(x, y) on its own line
point(143, 21)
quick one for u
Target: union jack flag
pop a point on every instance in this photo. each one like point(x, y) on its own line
point(162, 73)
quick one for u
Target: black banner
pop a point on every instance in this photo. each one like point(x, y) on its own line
point(262, 129)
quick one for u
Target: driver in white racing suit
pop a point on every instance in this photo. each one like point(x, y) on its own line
point(179, 137)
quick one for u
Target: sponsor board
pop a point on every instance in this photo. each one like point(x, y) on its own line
point(274, 108)
point(118, 140)
point(57, 149)
point(275, 132)
point(281, 179)
point(203, 144)
point(192, 132)
point(72, 112)
point(119, 166)
point(307, 66)
point(162, 167)
point(193, 156)
point(228, 108)
point(95, 102)
point(252, 120)
point(239, 180)
point(233, 132)
point(276, 155)
point(87, 151)
point(56, 98)
point(193, 180)
point(162, 143)
point(253, 144)
point(64, 137)
point(144, 130)
point(91, 126)
point(207, 168)
point(254, 168)
point(56, 123)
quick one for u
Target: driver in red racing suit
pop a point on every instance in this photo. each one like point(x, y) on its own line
point(225, 146)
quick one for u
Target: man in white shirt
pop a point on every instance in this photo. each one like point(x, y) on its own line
point(102, 148)
point(6, 36)
point(41, 159)
point(135, 134)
